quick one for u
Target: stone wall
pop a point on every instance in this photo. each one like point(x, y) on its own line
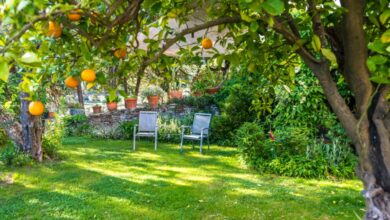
point(112, 119)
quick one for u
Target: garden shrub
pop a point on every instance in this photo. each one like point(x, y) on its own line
point(126, 129)
point(3, 138)
point(12, 156)
point(76, 125)
point(292, 154)
point(52, 140)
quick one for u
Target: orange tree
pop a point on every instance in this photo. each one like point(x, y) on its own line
point(337, 42)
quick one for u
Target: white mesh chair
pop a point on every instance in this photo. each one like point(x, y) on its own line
point(147, 127)
point(199, 130)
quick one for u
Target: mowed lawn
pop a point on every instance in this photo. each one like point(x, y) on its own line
point(102, 179)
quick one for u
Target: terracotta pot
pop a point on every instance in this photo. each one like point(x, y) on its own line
point(112, 106)
point(97, 109)
point(131, 103)
point(196, 94)
point(153, 101)
point(212, 91)
point(51, 115)
point(175, 94)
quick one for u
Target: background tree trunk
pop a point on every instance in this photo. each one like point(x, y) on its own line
point(80, 95)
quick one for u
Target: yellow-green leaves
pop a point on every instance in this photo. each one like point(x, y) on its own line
point(273, 7)
point(329, 55)
point(384, 16)
point(30, 58)
point(316, 43)
point(385, 38)
point(4, 71)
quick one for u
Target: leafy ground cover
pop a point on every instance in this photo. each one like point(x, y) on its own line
point(101, 179)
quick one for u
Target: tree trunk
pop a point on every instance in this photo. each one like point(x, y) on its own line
point(80, 95)
point(137, 85)
point(32, 130)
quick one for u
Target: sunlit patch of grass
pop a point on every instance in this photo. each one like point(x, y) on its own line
point(107, 180)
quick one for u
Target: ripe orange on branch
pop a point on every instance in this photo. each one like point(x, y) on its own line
point(55, 30)
point(88, 75)
point(71, 82)
point(75, 15)
point(36, 108)
point(120, 53)
point(207, 43)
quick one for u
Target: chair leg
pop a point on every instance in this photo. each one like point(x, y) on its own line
point(134, 138)
point(192, 143)
point(155, 142)
point(181, 143)
point(208, 142)
point(201, 144)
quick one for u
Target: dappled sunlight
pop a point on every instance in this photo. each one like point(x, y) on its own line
point(112, 181)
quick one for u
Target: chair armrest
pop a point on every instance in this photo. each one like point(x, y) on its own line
point(202, 131)
point(183, 128)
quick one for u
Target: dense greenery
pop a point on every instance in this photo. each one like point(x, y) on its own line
point(104, 179)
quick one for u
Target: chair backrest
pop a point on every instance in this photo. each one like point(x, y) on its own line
point(147, 121)
point(201, 120)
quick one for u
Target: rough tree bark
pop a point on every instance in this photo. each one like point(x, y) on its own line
point(32, 130)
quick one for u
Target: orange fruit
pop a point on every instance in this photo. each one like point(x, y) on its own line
point(207, 43)
point(75, 15)
point(120, 53)
point(36, 108)
point(55, 30)
point(71, 82)
point(88, 75)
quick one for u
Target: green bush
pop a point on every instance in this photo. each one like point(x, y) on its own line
point(292, 154)
point(126, 129)
point(3, 138)
point(76, 125)
point(52, 140)
point(11, 156)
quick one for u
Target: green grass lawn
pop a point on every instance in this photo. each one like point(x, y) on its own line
point(106, 180)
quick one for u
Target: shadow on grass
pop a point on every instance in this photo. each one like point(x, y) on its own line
point(105, 179)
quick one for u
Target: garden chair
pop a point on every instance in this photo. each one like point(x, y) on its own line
point(199, 130)
point(147, 127)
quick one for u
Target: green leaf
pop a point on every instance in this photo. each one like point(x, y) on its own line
point(371, 65)
point(29, 58)
point(385, 38)
point(329, 55)
point(254, 26)
point(22, 5)
point(273, 7)
point(377, 59)
point(384, 16)
point(316, 43)
point(4, 71)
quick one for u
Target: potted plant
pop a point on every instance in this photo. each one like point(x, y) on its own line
point(175, 94)
point(153, 94)
point(130, 100)
point(112, 103)
point(97, 109)
point(198, 87)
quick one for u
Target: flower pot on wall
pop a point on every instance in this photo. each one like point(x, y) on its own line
point(153, 101)
point(131, 103)
point(212, 91)
point(51, 115)
point(112, 106)
point(175, 94)
point(97, 109)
